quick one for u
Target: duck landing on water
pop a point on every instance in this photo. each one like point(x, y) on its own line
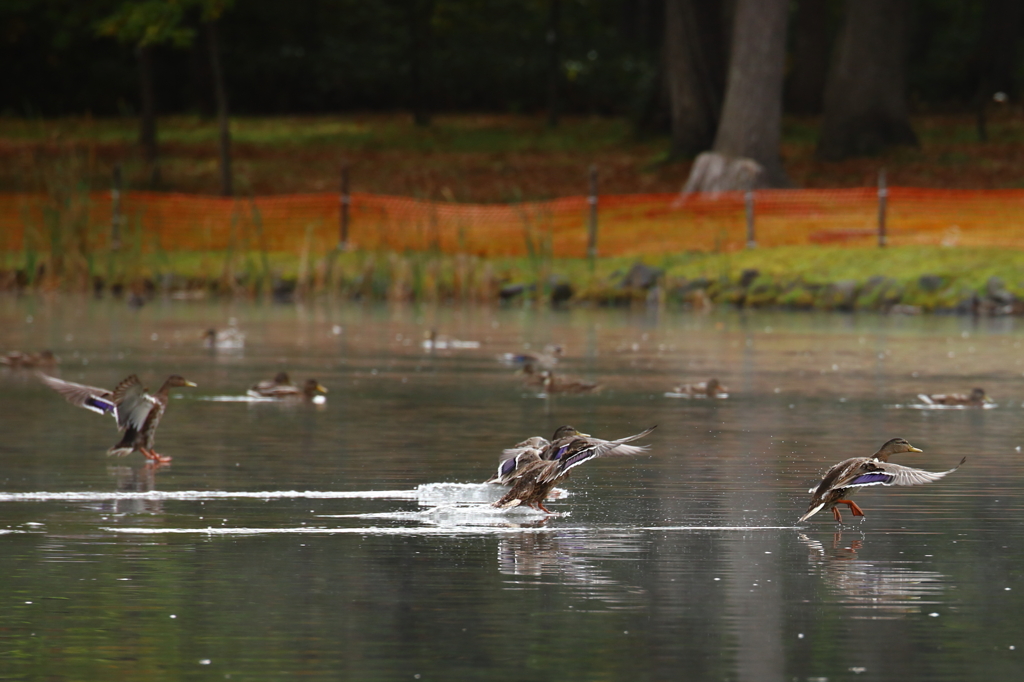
point(843, 479)
point(534, 474)
point(136, 411)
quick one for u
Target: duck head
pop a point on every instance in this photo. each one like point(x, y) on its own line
point(894, 447)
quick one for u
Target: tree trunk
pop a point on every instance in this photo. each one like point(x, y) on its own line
point(811, 43)
point(865, 97)
point(554, 62)
point(695, 72)
point(221, 97)
point(147, 119)
point(997, 51)
point(751, 123)
point(421, 13)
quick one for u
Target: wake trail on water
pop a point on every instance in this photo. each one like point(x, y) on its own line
point(427, 493)
point(450, 509)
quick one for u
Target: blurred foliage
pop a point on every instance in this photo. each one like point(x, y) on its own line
point(323, 56)
point(326, 55)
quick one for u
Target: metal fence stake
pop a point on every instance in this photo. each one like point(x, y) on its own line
point(592, 227)
point(748, 201)
point(346, 201)
point(115, 210)
point(883, 200)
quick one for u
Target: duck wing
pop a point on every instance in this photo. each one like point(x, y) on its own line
point(887, 473)
point(607, 448)
point(133, 402)
point(534, 443)
point(582, 450)
point(513, 468)
point(92, 398)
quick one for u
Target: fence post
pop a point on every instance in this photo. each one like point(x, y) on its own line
point(115, 209)
point(592, 227)
point(346, 201)
point(883, 200)
point(748, 201)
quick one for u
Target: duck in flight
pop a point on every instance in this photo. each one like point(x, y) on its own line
point(843, 479)
point(136, 411)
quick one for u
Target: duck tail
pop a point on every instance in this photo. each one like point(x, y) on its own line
point(504, 503)
point(811, 512)
point(126, 446)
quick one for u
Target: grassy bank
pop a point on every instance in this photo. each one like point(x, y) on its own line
point(907, 279)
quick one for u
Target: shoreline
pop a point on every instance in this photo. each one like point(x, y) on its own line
point(902, 280)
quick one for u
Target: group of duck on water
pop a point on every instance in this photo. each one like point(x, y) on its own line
point(537, 370)
point(531, 469)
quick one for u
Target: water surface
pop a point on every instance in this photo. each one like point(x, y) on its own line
point(352, 540)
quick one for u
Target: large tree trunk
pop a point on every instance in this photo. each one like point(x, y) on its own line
point(865, 98)
point(220, 94)
point(811, 43)
point(750, 128)
point(997, 51)
point(421, 30)
point(695, 72)
point(147, 119)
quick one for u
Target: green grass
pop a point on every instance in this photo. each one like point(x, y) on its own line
point(822, 264)
point(428, 275)
point(483, 134)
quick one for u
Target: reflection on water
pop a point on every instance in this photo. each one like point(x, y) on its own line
point(572, 559)
point(873, 589)
point(135, 480)
point(353, 539)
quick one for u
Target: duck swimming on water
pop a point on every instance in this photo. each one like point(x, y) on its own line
point(976, 398)
point(18, 360)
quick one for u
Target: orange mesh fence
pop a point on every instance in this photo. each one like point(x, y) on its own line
point(627, 224)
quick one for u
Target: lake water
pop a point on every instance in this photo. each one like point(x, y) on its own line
point(352, 540)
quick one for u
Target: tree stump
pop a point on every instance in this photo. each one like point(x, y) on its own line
point(714, 172)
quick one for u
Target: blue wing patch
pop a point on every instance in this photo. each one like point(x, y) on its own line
point(507, 467)
point(866, 479)
point(101, 404)
point(578, 458)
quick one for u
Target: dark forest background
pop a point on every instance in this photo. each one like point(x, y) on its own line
point(693, 76)
point(323, 56)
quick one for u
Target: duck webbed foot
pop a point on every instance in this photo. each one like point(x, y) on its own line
point(854, 509)
point(155, 457)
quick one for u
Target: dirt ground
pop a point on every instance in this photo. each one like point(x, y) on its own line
point(466, 158)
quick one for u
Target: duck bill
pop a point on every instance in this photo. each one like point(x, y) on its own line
point(322, 389)
point(913, 449)
point(191, 384)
